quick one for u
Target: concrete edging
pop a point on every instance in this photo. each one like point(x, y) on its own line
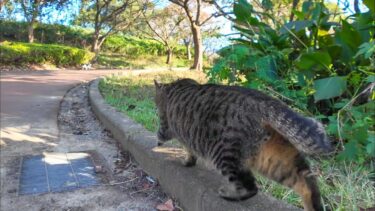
point(194, 187)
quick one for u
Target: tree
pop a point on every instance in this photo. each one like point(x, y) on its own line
point(2, 4)
point(108, 17)
point(187, 38)
point(187, 43)
point(197, 18)
point(163, 27)
point(33, 9)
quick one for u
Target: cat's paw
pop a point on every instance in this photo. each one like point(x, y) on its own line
point(236, 194)
point(189, 161)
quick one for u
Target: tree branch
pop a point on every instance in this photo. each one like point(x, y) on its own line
point(221, 10)
point(153, 30)
point(211, 16)
point(198, 15)
point(178, 2)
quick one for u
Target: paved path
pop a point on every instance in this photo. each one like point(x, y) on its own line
point(30, 103)
point(29, 107)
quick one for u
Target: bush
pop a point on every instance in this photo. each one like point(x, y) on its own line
point(324, 67)
point(125, 45)
point(133, 47)
point(45, 33)
point(16, 53)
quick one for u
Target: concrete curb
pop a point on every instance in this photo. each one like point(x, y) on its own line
point(195, 187)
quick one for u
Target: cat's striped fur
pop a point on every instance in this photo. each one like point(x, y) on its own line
point(242, 130)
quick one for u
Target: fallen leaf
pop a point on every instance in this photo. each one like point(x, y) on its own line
point(146, 186)
point(99, 169)
point(167, 206)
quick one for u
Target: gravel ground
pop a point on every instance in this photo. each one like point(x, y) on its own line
point(125, 186)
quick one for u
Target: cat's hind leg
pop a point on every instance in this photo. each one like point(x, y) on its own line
point(239, 184)
point(281, 162)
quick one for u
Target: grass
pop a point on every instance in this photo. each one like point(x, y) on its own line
point(344, 186)
point(141, 62)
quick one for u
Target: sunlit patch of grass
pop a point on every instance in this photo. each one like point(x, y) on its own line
point(278, 191)
point(344, 186)
point(134, 95)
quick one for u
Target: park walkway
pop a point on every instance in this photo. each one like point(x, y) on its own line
point(30, 103)
point(29, 107)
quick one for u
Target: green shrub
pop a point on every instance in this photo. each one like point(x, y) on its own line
point(45, 33)
point(314, 63)
point(133, 47)
point(16, 53)
point(125, 45)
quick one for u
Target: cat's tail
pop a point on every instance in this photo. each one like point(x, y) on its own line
point(306, 134)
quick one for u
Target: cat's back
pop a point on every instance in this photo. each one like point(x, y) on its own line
point(232, 105)
point(215, 90)
point(215, 96)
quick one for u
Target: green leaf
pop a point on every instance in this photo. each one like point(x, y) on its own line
point(327, 88)
point(341, 104)
point(300, 15)
point(349, 38)
point(370, 147)
point(266, 68)
point(334, 51)
point(370, 78)
point(316, 12)
point(306, 6)
point(361, 134)
point(295, 26)
point(239, 49)
point(332, 126)
point(350, 152)
point(367, 49)
point(301, 79)
point(242, 10)
point(320, 60)
point(370, 4)
point(267, 4)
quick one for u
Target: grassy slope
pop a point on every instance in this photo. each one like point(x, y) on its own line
point(344, 186)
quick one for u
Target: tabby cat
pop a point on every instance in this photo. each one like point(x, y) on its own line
point(242, 130)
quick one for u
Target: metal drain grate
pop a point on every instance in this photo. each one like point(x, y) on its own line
point(56, 172)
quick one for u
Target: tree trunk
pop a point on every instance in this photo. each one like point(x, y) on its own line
point(42, 37)
point(169, 56)
point(198, 48)
point(31, 32)
point(188, 51)
point(95, 42)
point(187, 43)
point(32, 22)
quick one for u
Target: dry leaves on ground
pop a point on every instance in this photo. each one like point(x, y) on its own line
point(167, 206)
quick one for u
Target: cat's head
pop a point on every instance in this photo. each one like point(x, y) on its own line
point(162, 89)
point(160, 96)
point(160, 101)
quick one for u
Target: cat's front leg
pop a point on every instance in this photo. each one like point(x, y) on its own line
point(190, 159)
point(163, 136)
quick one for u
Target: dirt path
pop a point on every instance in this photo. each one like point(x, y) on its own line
point(29, 108)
